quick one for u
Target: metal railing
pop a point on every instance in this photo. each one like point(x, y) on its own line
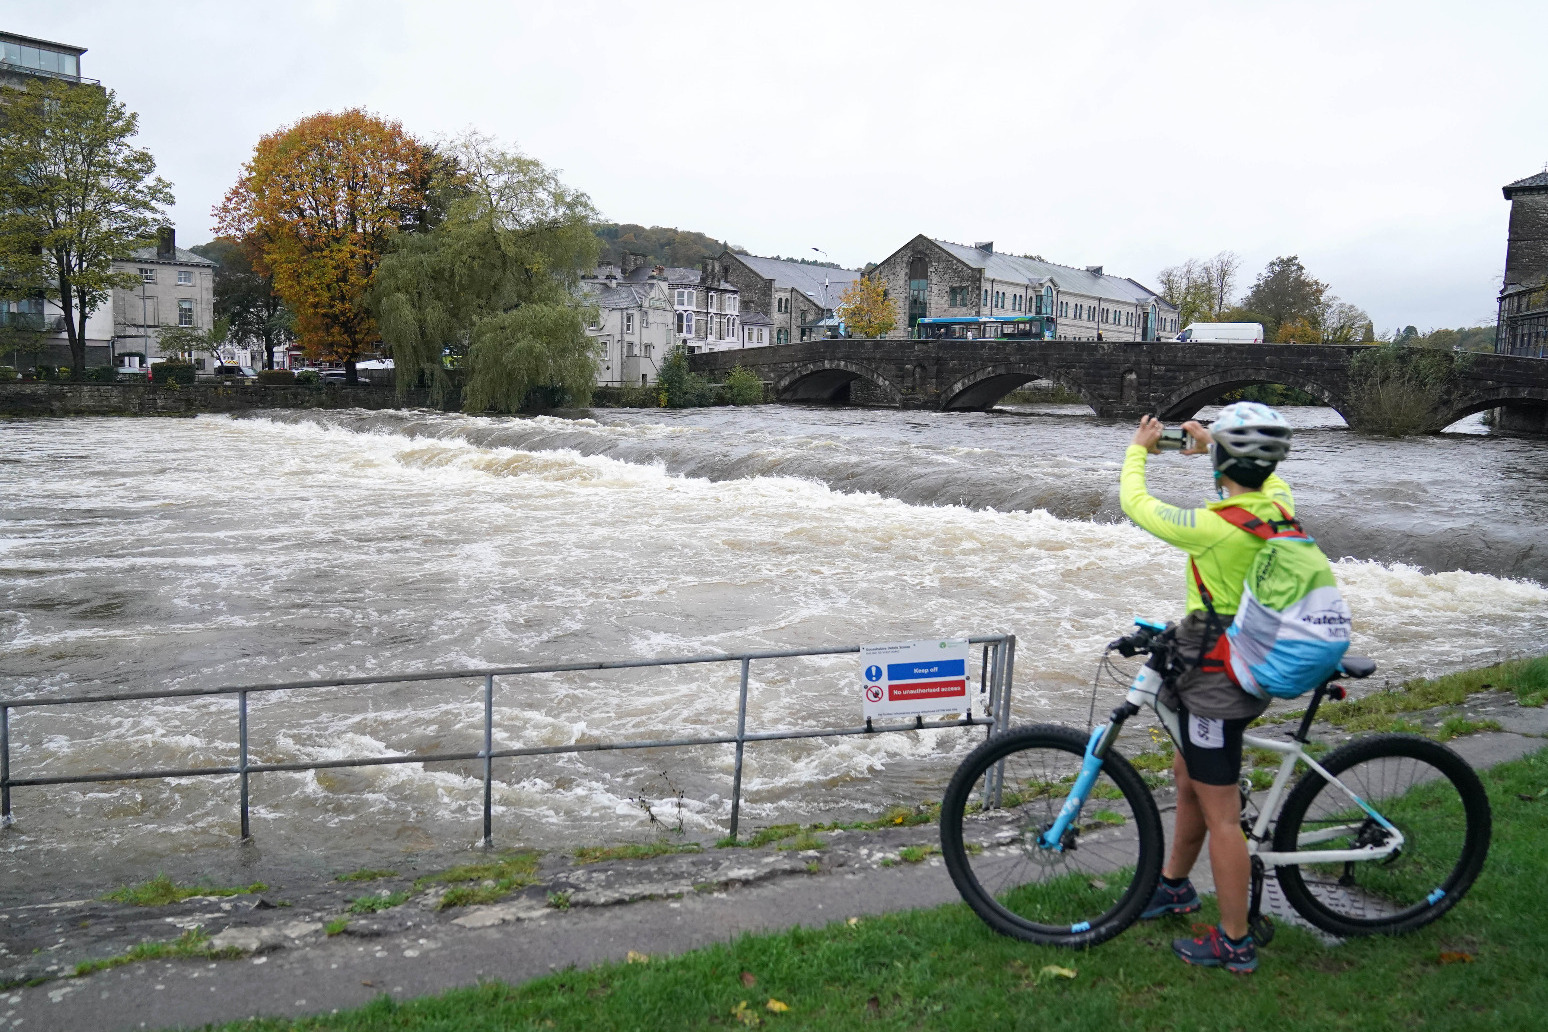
point(995, 677)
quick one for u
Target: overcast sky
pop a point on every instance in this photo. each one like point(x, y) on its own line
point(1370, 139)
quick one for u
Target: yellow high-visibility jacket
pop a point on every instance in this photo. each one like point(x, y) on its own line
point(1222, 551)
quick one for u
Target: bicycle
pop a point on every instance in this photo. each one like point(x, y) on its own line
point(1054, 837)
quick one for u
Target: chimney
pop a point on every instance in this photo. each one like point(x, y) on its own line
point(166, 243)
point(659, 272)
point(709, 272)
point(632, 261)
point(1095, 270)
point(986, 246)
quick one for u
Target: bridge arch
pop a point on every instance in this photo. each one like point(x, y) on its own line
point(982, 388)
point(822, 381)
point(1498, 397)
point(1185, 401)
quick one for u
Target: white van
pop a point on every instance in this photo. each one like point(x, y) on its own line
point(1223, 333)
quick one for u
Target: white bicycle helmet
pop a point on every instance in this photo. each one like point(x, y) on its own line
point(1250, 440)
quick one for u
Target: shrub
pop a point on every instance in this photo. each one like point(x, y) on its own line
point(1397, 390)
point(8, 373)
point(101, 374)
point(309, 377)
point(276, 377)
point(173, 372)
point(744, 387)
point(681, 388)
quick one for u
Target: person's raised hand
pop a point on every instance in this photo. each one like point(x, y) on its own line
point(1201, 438)
point(1148, 434)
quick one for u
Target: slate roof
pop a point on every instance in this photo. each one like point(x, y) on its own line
point(754, 318)
point(1029, 270)
point(180, 256)
point(624, 296)
point(1533, 183)
point(805, 278)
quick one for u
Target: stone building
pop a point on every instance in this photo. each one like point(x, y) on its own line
point(1522, 328)
point(173, 287)
point(795, 296)
point(633, 325)
point(706, 308)
point(928, 278)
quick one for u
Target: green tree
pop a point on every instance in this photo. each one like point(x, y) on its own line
point(1201, 289)
point(661, 245)
point(245, 297)
point(184, 342)
point(76, 194)
point(493, 287)
point(1286, 292)
point(743, 387)
point(1398, 390)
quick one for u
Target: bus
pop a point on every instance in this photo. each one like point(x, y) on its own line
point(987, 327)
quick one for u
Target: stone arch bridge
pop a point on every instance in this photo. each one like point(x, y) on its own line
point(1173, 380)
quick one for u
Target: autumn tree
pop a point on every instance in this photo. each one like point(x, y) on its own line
point(76, 194)
point(245, 297)
point(865, 308)
point(324, 199)
point(494, 286)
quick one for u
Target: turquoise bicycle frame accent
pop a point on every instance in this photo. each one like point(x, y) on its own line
point(1089, 769)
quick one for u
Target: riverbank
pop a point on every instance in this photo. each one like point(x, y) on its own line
point(338, 939)
point(143, 399)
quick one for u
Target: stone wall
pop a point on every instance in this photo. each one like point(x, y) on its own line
point(135, 399)
point(945, 273)
point(1526, 253)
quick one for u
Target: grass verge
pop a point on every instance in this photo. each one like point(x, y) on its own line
point(1382, 711)
point(487, 882)
point(376, 904)
point(161, 890)
point(1478, 968)
point(192, 943)
point(633, 851)
point(365, 874)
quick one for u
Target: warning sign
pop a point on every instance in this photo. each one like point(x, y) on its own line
point(915, 678)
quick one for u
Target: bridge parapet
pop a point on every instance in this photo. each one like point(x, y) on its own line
point(1171, 379)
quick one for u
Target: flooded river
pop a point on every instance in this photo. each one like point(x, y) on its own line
point(138, 554)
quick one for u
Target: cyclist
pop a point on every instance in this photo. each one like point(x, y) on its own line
point(1246, 441)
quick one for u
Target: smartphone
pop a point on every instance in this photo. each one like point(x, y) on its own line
point(1173, 439)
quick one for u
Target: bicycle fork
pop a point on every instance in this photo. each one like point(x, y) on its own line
point(1142, 692)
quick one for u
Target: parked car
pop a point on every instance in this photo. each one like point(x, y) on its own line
point(240, 372)
point(337, 376)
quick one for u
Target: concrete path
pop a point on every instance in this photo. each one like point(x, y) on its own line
point(425, 952)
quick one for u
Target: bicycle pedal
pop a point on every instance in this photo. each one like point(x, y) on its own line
point(1262, 930)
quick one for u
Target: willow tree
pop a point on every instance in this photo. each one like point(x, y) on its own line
point(494, 286)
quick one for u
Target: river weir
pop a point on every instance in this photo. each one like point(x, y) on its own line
point(139, 554)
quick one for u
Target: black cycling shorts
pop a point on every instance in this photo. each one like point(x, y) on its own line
point(1212, 747)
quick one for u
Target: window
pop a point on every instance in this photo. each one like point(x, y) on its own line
point(760, 336)
point(644, 320)
point(782, 337)
point(184, 278)
point(147, 275)
point(986, 297)
point(682, 298)
point(628, 322)
point(688, 323)
point(692, 296)
point(679, 322)
point(185, 312)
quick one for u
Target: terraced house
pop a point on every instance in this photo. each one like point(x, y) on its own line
point(799, 299)
point(930, 279)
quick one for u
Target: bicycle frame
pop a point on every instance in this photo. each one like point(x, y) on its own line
point(1143, 692)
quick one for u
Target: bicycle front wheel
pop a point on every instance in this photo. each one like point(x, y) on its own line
point(1419, 787)
point(1005, 795)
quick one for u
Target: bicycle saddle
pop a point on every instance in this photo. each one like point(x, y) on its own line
point(1356, 666)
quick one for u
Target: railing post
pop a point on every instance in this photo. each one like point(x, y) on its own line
point(1002, 713)
point(5, 766)
point(488, 761)
point(242, 758)
point(741, 741)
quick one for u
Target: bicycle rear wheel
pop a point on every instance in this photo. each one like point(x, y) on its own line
point(1423, 789)
point(1087, 891)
